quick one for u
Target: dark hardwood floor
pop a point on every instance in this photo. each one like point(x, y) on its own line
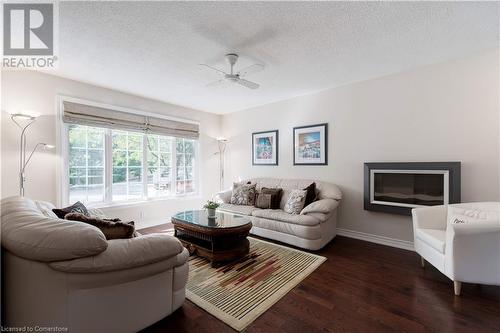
point(362, 287)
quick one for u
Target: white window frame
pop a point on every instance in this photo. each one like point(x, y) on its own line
point(62, 169)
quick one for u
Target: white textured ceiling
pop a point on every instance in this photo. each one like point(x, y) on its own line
point(152, 48)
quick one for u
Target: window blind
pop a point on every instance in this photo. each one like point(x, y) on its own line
point(81, 114)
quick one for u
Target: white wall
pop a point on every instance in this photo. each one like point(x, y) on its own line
point(37, 91)
point(443, 112)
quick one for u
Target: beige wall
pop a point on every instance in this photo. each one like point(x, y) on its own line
point(38, 91)
point(443, 112)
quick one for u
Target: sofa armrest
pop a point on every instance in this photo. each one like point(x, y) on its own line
point(324, 206)
point(473, 252)
point(434, 217)
point(223, 197)
point(127, 253)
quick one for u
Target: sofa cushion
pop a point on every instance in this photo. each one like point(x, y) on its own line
point(311, 194)
point(289, 185)
point(298, 230)
point(237, 209)
point(328, 191)
point(459, 215)
point(295, 201)
point(324, 206)
point(112, 229)
point(265, 182)
point(263, 200)
point(27, 233)
point(324, 190)
point(279, 215)
point(125, 254)
point(243, 194)
point(275, 196)
point(77, 207)
point(46, 208)
point(435, 238)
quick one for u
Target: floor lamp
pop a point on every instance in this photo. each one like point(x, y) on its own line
point(23, 121)
point(222, 150)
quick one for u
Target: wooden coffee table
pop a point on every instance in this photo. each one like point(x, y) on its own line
point(220, 239)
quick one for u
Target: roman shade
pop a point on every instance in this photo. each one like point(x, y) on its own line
point(81, 114)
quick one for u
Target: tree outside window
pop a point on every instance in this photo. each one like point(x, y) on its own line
point(142, 166)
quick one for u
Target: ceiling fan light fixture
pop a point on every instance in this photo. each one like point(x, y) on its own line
point(235, 77)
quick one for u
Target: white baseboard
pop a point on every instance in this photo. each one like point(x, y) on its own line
point(402, 244)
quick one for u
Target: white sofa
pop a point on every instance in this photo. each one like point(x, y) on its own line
point(460, 240)
point(65, 273)
point(312, 229)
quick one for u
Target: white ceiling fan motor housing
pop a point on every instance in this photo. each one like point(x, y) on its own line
point(232, 58)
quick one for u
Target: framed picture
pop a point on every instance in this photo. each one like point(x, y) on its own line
point(265, 148)
point(310, 145)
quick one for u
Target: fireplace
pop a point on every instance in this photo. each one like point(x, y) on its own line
point(399, 187)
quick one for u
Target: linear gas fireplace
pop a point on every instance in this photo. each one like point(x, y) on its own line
point(399, 187)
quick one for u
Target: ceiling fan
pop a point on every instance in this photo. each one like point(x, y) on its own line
point(235, 77)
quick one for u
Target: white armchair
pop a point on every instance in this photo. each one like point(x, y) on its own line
point(461, 240)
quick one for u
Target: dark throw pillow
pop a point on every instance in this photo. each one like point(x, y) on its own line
point(77, 207)
point(311, 194)
point(112, 230)
point(275, 196)
point(263, 200)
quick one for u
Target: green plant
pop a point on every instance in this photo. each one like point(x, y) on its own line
point(211, 205)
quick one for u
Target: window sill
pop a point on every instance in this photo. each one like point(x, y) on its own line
point(143, 202)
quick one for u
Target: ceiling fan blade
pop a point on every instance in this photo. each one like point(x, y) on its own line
point(250, 69)
point(213, 68)
point(217, 83)
point(248, 84)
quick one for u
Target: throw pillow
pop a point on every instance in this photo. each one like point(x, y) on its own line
point(275, 196)
point(243, 194)
point(295, 201)
point(311, 194)
point(77, 207)
point(112, 230)
point(458, 215)
point(263, 201)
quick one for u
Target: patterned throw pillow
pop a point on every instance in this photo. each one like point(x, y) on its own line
point(77, 207)
point(263, 201)
point(243, 194)
point(457, 215)
point(295, 201)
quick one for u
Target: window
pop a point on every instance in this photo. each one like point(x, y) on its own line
point(106, 166)
point(184, 155)
point(159, 171)
point(86, 163)
point(127, 166)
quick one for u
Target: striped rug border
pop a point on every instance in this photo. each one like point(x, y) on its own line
point(240, 325)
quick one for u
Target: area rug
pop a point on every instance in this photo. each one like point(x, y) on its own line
point(239, 292)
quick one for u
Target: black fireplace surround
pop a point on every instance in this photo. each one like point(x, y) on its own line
point(398, 187)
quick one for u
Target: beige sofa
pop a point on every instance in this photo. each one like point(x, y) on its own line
point(312, 229)
point(65, 273)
